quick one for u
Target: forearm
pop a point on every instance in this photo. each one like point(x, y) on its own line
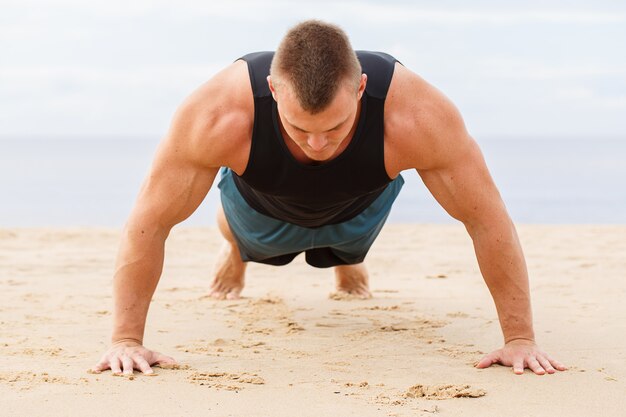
point(138, 269)
point(503, 267)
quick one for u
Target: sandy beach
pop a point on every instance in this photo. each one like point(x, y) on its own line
point(289, 349)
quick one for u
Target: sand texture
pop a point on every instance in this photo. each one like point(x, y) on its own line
point(290, 349)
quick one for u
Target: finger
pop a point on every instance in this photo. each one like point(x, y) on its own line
point(164, 359)
point(115, 366)
point(142, 364)
point(518, 366)
point(545, 363)
point(488, 360)
point(535, 366)
point(558, 365)
point(101, 366)
point(127, 364)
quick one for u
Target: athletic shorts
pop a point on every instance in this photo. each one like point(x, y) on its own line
point(267, 240)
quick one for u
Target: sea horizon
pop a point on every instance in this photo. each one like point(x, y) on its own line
point(93, 180)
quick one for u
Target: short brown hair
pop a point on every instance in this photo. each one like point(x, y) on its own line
point(315, 58)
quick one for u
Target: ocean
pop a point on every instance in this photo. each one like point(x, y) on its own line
point(93, 181)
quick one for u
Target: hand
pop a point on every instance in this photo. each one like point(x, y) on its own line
point(521, 354)
point(129, 355)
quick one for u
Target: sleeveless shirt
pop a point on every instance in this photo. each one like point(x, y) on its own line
point(275, 184)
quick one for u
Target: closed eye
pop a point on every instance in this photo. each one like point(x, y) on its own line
point(330, 130)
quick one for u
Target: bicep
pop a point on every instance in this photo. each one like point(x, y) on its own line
point(210, 129)
point(174, 187)
point(464, 187)
point(425, 131)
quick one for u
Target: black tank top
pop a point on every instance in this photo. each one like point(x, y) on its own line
point(275, 184)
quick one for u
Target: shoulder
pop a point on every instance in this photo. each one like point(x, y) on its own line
point(423, 128)
point(214, 123)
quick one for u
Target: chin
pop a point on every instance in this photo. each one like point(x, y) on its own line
point(320, 156)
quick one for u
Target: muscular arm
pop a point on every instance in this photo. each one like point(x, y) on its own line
point(451, 165)
point(172, 191)
point(208, 131)
point(175, 186)
point(465, 189)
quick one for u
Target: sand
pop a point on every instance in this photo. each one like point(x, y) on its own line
point(288, 349)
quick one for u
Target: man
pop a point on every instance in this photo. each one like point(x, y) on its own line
point(313, 141)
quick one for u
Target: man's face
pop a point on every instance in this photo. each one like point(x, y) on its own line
point(319, 135)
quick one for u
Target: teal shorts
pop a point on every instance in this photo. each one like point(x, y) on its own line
point(267, 240)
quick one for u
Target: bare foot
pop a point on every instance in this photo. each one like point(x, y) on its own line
point(229, 274)
point(353, 281)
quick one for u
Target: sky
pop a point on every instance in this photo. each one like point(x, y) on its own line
point(110, 68)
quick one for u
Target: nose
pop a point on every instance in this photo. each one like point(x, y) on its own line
point(317, 142)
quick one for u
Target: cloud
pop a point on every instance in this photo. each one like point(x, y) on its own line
point(590, 98)
point(524, 69)
point(137, 76)
point(131, 62)
point(396, 13)
point(381, 13)
point(87, 100)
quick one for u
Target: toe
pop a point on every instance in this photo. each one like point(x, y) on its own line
point(234, 295)
point(365, 295)
point(217, 295)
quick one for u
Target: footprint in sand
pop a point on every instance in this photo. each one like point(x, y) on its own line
point(27, 380)
point(221, 380)
point(443, 392)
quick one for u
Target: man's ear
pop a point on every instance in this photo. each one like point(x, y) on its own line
point(362, 85)
point(272, 87)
